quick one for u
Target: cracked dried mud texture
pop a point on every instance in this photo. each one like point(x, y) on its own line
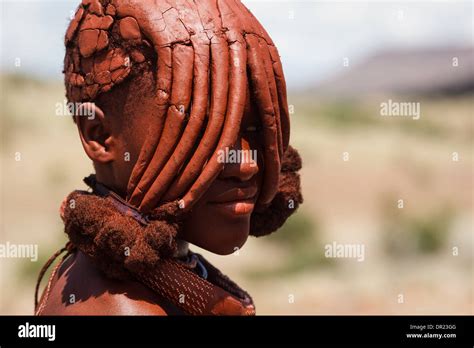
point(208, 54)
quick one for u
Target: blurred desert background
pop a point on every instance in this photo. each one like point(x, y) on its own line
point(342, 60)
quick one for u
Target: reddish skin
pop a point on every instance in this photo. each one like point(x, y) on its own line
point(125, 113)
point(223, 229)
point(209, 225)
point(100, 295)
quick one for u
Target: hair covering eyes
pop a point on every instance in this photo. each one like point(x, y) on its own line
point(207, 54)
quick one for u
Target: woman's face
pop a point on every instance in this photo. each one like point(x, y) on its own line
point(220, 220)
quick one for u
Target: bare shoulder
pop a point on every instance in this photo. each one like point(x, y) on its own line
point(78, 288)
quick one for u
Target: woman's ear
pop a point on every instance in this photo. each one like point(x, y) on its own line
point(95, 133)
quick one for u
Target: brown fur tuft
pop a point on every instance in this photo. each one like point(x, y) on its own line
point(120, 245)
point(115, 242)
point(286, 201)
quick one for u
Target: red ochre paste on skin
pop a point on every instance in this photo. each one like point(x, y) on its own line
point(205, 56)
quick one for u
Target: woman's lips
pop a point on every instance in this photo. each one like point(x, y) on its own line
point(235, 194)
point(244, 207)
point(236, 201)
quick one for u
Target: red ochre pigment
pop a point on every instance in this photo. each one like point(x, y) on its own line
point(204, 62)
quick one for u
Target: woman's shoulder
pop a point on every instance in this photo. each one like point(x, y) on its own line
point(77, 287)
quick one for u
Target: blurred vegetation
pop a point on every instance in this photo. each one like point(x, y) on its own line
point(27, 103)
point(299, 237)
point(338, 114)
point(350, 114)
point(30, 270)
point(408, 233)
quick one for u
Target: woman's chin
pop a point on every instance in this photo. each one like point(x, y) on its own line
point(222, 242)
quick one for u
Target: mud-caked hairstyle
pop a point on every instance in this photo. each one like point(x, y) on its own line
point(205, 55)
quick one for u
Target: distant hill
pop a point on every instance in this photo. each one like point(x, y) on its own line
point(415, 71)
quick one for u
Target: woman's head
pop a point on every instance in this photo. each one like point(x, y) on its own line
point(190, 106)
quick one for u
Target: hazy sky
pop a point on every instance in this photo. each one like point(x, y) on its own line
point(313, 37)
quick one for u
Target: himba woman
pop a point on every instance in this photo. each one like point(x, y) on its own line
point(171, 85)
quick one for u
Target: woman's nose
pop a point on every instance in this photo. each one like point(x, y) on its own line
point(240, 161)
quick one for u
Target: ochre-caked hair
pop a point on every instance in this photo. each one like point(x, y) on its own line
point(206, 54)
